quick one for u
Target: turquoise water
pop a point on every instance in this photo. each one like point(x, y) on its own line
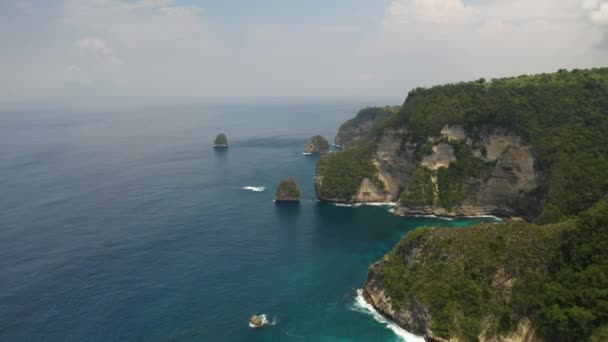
point(125, 225)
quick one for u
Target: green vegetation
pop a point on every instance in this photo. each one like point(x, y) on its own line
point(462, 275)
point(488, 277)
point(462, 177)
point(318, 144)
point(420, 189)
point(221, 140)
point(363, 127)
point(288, 190)
point(344, 171)
point(446, 187)
point(556, 275)
point(570, 302)
point(563, 115)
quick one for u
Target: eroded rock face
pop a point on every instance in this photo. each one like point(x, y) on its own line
point(394, 159)
point(369, 192)
point(510, 190)
point(454, 133)
point(442, 156)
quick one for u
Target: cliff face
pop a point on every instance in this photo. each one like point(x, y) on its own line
point(359, 128)
point(530, 146)
point(507, 188)
point(404, 285)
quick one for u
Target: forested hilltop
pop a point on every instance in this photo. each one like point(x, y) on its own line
point(562, 118)
point(531, 146)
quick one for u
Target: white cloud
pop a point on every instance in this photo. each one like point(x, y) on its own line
point(430, 11)
point(100, 48)
point(590, 4)
point(170, 49)
point(450, 40)
point(598, 11)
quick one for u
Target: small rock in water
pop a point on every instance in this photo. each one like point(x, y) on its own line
point(256, 321)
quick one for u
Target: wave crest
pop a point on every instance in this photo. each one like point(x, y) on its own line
point(371, 204)
point(254, 188)
point(360, 305)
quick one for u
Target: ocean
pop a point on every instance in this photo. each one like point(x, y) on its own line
point(125, 225)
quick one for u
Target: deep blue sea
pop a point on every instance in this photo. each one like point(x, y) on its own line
point(124, 225)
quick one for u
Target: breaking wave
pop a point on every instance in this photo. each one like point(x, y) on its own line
point(360, 305)
point(372, 204)
point(435, 217)
point(254, 188)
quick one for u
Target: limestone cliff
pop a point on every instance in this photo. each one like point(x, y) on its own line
point(533, 147)
point(506, 188)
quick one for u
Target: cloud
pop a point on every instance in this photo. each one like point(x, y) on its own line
point(597, 11)
point(429, 11)
point(173, 49)
point(451, 40)
point(100, 48)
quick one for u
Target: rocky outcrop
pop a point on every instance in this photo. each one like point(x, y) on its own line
point(220, 142)
point(317, 144)
point(287, 191)
point(359, 128)
point(256, 321)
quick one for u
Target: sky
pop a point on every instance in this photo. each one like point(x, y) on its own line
point(180, 50)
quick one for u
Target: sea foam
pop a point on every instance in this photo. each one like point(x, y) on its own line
point(264, 321)
point(445, 218)
point(372, 204)
point(254, 188)
point(360, 305)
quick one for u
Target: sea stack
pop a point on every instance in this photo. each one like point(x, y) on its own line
point(256, 321)
point(287, 192)
point(220, 142)
point(317, 144)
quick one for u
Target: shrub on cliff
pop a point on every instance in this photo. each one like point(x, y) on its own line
point(344, 171)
